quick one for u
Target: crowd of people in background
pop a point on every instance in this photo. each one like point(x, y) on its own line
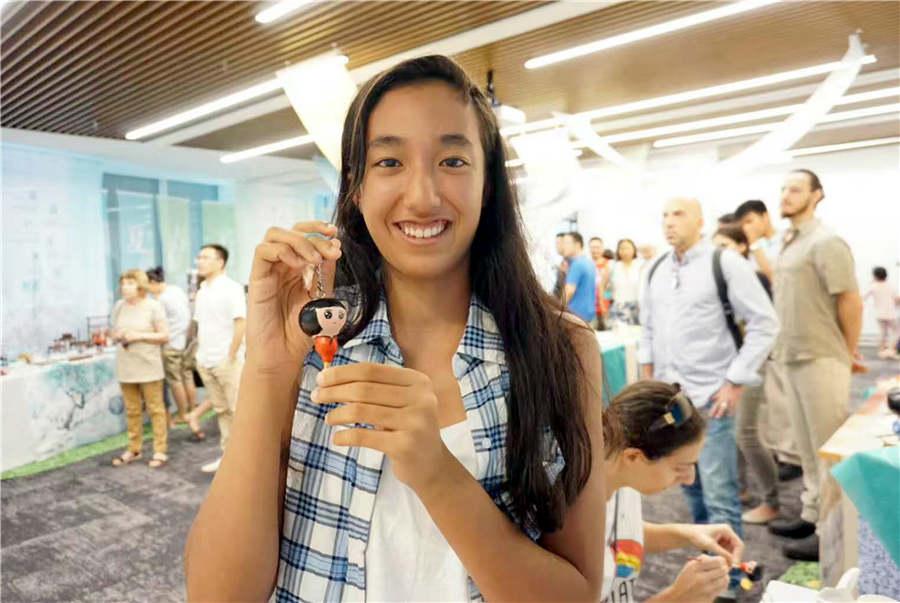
point(163, 336)
point(760, 328)
point(749, 337)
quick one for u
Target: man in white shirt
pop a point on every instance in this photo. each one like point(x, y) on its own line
point(765, 247)
point(686, 339)
point(177, 364)
point(220, 312)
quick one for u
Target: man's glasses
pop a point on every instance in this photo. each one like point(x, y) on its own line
point(678, 411)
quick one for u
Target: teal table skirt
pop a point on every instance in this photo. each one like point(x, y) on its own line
point(615, 371)
point(872, 481)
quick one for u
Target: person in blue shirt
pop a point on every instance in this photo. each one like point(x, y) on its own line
point(581, 280)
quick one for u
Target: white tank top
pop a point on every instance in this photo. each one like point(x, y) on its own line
point(407, 557)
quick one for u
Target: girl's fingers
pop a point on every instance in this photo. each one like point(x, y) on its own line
point(302, 246)
point(378, 394)
point(307, 243)
point(370, 373)
point(309, 273)
point(322, 236)
point(269, 254)
point(364, 438)
point(351, 414)
point(317, 226)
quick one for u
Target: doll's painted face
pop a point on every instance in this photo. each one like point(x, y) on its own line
point(332, 319)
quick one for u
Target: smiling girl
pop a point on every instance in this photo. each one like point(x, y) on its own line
point(454, 450)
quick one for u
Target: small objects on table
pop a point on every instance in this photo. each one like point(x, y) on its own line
point(752, 573)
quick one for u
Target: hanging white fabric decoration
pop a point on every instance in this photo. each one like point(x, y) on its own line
point(549, 163)
point(321, 90)
point(795, 127)
point(584, 133)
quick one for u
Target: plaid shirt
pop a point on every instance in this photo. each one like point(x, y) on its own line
point(330, 493)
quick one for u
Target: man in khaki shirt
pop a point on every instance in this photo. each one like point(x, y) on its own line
point(820, 310)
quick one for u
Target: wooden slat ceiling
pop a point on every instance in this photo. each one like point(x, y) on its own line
point(128, 63)
point(102, 68)
point(777, 38)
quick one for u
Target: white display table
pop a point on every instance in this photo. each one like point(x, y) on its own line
point(56, 407)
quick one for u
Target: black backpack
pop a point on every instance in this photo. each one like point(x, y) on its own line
point(721, 287)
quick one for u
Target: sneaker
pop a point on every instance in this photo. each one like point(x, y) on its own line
point(211, 467)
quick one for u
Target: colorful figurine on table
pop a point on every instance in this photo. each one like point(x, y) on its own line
point(323, 320)
point(752, 573)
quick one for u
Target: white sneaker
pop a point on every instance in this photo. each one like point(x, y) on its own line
point(211, 467)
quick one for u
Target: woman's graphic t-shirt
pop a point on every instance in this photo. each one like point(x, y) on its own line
point(624, 552)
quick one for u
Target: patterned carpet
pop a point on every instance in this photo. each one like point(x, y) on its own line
point(88, 532)
point(670, 506)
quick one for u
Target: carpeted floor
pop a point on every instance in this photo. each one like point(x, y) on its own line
point(670, 506)
point(88, 532)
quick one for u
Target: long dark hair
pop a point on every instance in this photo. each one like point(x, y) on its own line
point(546, 386)
point(629, 420)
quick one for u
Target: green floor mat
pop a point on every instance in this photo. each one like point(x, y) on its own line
point(804, 574)
point(83, 452)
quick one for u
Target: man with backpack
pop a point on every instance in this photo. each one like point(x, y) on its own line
point(694, 297)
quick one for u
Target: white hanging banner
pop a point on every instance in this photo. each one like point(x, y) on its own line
point(321, 90)
point(549, 162)
point(547, 193)
point(582, 130)
point(802, 120)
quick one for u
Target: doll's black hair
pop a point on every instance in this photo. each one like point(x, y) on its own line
point(309, 321)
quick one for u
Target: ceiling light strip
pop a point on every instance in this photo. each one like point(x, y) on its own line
point(266, 149)
point(205, 109)
point(738, 132)
point(722, 12)
point(688, 96)
point(714, 122)
point(844, 146)
point(279, 10)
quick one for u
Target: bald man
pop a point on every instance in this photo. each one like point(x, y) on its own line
point(686, 340)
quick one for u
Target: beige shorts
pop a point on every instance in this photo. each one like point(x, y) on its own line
point(177, 365)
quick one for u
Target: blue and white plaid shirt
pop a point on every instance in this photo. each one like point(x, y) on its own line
point(330, 493)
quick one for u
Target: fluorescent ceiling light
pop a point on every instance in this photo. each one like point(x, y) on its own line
point(758, 129)
point(512, 163)
point(845, 146)
point(688, 96)
point(267, 148)
point(736, 118)
point(722, 12)
point(205, 109)
point(220, 104)
point(281, 9)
